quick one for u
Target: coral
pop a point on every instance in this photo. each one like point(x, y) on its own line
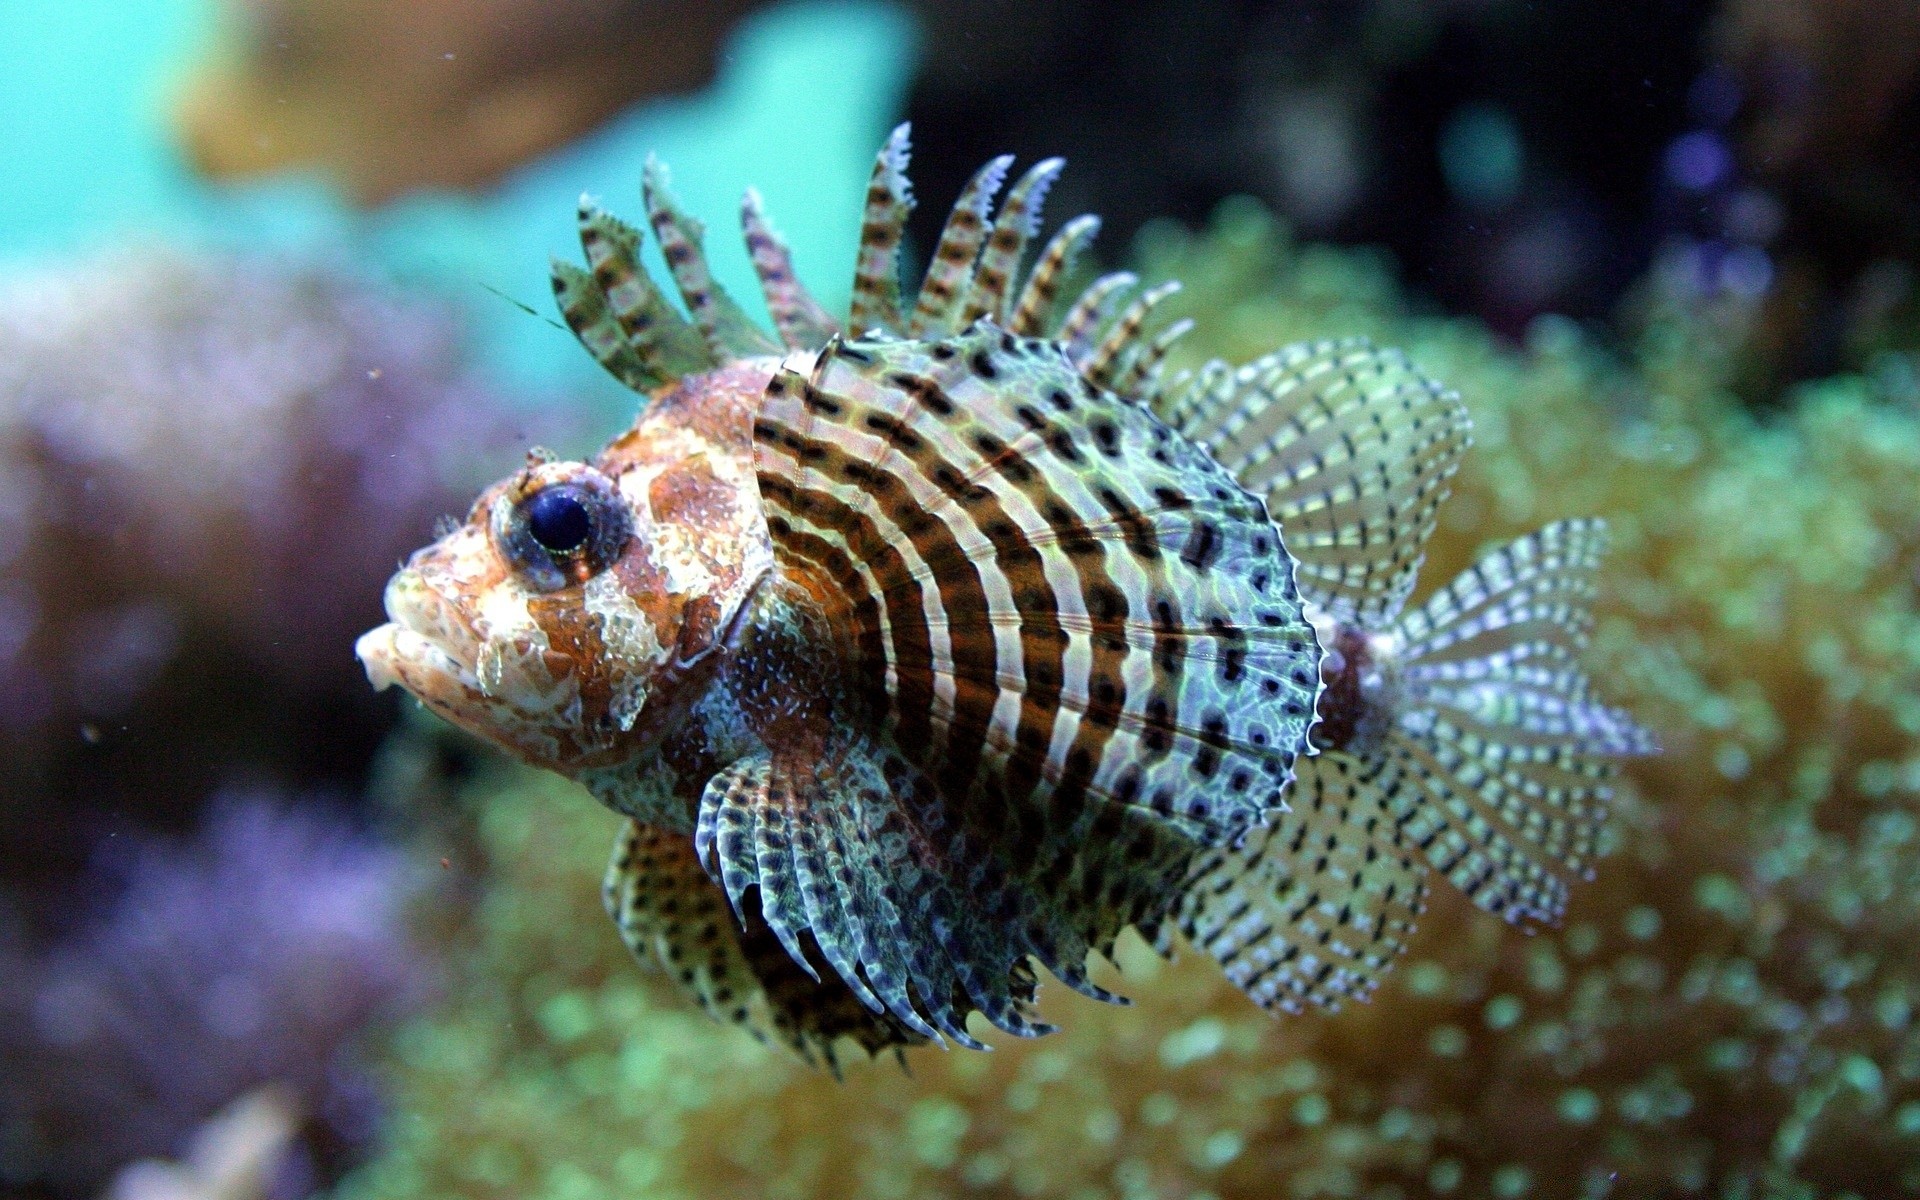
point(207, 466)
point(252, 957)
point(1728, 1008)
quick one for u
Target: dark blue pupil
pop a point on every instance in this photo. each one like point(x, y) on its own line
point(558, 520)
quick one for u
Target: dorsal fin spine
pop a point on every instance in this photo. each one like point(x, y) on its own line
point(584, 308)
point(802, 322)
point(1043, 285)
point(729, 333)
point(950, 272)
point(876, 279)
point(1103, 366)
point(665, 343)
point(1000, 261)
point(1090, 311)
point(1142, 379)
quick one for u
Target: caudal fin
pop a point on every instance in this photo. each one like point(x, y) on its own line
point(1499, 760)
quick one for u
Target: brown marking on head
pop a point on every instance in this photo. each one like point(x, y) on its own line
point(580, 656)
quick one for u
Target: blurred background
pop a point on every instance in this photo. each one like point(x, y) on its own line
point(273, 298)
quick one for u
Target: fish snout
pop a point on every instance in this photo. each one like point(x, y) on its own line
point(427, 645)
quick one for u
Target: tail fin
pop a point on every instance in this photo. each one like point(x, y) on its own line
point(1494, 769)
point(1499, 758)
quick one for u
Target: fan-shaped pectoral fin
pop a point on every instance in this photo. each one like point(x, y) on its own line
point(672, 916)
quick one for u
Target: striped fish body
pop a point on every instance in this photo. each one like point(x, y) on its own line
point(946, 658)
point(932, 649)
point(1070, 643)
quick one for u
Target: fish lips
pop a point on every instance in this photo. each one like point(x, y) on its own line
point(425, 647)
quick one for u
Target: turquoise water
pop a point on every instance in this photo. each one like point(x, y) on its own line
point(805, 92)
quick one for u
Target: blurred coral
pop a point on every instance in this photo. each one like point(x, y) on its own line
point(1729, 1008)
point(388, 98)
point(1820, 98)
point(234, 1156)
point(207, 466)
point(257, 955)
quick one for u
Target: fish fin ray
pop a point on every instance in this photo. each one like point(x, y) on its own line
point(1090, 311)
point(1037, 296)
point(673, 917)
point(937, 927)
point(729, 333)
point(943, 292)
point(1501, 757)
point(1354, 450)
point(1108, 362)
point(584, 308)
point(992, 293)
point(876, 278)
point(665, 341)
point(1314, 907)
point(800, 320)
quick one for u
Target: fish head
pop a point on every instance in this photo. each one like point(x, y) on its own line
point(573, 617)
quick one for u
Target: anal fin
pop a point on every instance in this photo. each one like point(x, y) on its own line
point(1314, 907)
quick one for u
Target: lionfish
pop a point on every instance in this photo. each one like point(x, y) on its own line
point(932, 648)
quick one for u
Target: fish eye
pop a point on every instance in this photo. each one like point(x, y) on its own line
point(558, 519)
point(562, 524)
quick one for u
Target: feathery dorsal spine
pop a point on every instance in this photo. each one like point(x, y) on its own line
point(730, 334)
point(1043, 284)
point(1103, 366)
point(802, 321)
point(1018, 220)
point(876, 278)
point(584, 307)
point(1090, 311)
point(666, 344)
point(1141, 382)
point(951, 270)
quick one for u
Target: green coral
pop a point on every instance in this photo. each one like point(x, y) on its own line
point(1729, 1008)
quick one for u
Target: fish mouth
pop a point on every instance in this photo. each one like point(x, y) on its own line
point(426, 646)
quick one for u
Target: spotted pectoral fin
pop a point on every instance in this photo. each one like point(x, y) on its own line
point(1354, 450)
point(846, 859)
point(1313, 908)
point(1500, 758)
point(671, 915)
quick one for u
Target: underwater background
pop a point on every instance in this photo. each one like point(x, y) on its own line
point(273, 300)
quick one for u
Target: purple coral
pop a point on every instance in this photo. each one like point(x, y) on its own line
point(239, 442)
point(208, 467)
point(256, 954)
